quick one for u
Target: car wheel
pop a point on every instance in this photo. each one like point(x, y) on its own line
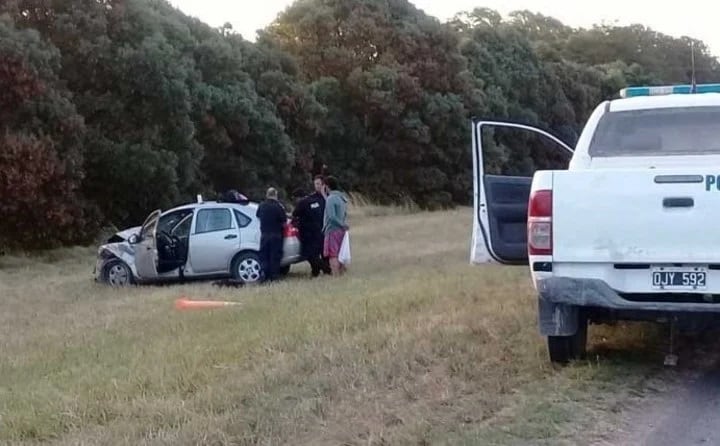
point(118, 274)
point(247, 268)
point(285, 270)
point(563, 349)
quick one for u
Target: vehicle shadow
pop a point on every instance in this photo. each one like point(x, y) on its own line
point(647, 343)
point(222, 282)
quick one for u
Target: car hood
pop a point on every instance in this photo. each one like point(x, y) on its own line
point(125, 234)
point(118, 245)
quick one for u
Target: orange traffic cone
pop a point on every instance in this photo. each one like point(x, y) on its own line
point(187, 304)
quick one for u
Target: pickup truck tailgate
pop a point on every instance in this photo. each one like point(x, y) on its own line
point(645, 216)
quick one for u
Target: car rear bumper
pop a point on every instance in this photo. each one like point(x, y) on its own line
point(561, 297)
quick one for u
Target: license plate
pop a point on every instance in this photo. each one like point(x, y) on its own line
point(678, 278)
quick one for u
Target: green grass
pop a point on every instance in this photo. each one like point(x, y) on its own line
point(413, 346)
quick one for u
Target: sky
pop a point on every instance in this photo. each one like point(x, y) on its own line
point(694, 18)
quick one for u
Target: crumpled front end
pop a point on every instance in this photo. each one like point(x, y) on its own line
point(123, 251)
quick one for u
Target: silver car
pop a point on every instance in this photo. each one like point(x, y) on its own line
point(202, 240)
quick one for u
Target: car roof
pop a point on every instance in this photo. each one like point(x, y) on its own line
point(665, 101)
point(250, 206)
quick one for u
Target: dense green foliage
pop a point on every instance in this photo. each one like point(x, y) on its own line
point(111, 108)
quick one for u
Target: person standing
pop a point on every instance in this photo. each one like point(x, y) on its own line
point(272, 216)
point(308, 217)
point(322, 190)
point(334, 223)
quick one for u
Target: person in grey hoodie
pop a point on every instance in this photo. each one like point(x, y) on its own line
point(334, 224)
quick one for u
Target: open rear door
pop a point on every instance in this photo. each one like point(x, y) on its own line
point(501, 202)
point(146, 252)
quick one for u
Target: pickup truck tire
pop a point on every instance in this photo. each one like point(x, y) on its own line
point(563, 349)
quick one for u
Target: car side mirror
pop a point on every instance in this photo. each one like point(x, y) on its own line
point(134, 239)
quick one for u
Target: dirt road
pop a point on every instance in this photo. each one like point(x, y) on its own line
point(688, 411)
point(689, 416)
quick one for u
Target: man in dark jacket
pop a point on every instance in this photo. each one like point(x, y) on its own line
point(308, 218)
point(272, 222)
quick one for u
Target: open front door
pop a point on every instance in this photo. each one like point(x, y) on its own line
point(501, 203)
point(146, 252)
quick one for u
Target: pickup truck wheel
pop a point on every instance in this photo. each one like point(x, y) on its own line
point(563, 349)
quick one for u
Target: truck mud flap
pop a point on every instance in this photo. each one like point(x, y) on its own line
point(557, 319)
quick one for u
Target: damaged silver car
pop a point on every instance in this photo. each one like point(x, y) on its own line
point(203, 240)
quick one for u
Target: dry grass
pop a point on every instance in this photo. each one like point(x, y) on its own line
point(415, 346)
point(362, 208)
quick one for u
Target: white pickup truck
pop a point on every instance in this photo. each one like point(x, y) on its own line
point(630, 231)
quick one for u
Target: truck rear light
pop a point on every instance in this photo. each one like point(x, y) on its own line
point(540, 223)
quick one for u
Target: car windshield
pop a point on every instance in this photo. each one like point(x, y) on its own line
point(658, 132)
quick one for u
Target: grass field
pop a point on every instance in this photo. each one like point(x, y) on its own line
point(414, 346)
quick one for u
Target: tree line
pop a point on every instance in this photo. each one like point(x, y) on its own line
point(112, 108)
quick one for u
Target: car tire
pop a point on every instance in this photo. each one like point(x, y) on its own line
point(246, 267)
point(285, 270)
point(118, 274)
point(563, 349)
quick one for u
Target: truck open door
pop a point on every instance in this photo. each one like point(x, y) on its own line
point(501, 203)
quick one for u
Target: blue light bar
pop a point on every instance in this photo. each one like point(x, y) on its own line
point(668, 89)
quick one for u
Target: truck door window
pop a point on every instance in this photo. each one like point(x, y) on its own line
point(519, 152)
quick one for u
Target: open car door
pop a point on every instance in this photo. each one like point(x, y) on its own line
point(501, 204)
point(146, 252)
